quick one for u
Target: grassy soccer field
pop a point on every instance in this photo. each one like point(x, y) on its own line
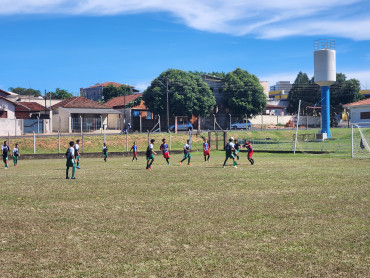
point(285, 216)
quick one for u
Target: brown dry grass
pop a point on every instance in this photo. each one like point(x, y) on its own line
point(286, 216)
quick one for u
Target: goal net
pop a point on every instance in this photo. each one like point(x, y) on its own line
point(360, 139)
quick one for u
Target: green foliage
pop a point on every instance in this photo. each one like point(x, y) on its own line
point(24, 91)
point(213, 73)
point(59, 94)
point(188, 94)
point(243, 93)
point(341, 92)
point(112, 91)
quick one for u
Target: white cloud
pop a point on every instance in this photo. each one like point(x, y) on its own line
point(363, 76)
point(263, 18)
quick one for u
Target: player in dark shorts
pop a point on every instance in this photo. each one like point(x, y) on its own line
point(105, 151)
point(70, 155)
point(150, 155)
point(237, 148)
point(229, 149)
point(187, 154)
point(5, 152)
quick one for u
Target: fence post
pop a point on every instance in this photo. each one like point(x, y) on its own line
point(225, 139)
point(159, 123)
point(209, 138)
point(101, 125)
point(82, 142)
point(38, 125)
point(352, 153)
point(148, 136)
point(34, 143)
point(261, 121)
point(169, 134)
point(216, 140)
point(214, 122)
point(58, 141)
point(277, 122)
point(127, 141)
point(8, 139)
point(306, 122)
point(190, 137)
point(81, 124)
point(230, 121)
point(140, 123)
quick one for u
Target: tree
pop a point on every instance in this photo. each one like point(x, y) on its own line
point(243, 93)
point(24, 91)
point(188, 94)
point(112, 91)
point(303, 89)
point(341, 92)
point(59, 94)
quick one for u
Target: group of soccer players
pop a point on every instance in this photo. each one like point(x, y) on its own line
point(232, 151)
point(73, 153)
point(5, 150)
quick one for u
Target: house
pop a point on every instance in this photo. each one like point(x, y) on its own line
point(95, 92)
point(36, 118)
point(76, 113)
point(359, 111)
point(133, 110)
point(9, 125)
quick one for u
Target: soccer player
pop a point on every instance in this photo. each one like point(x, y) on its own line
point(150, 155)
point(70, 155)
point(237, 148)
point(165, 152)
point(250, 151)
point(77, 153)
point(105, 151)
point(206, 149)
point(187, 154)
point(134, 151)
point(15, 154)
point(5, 151)
point(230, 147)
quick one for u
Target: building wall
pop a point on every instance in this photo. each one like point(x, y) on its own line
point(61, 121)
point(12, 127)
point(94, 93)
point(282, 85)
point(356, 114)
point(9, 107)
point(272, 120)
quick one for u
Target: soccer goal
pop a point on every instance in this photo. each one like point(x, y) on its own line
point(360, 139)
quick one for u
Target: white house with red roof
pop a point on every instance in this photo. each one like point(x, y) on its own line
point(95, 92)
point(76, 113)
point(359, 111)
point(8, 122)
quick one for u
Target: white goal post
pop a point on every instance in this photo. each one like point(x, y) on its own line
point(360, 139)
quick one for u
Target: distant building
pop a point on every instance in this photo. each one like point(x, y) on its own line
point(365, 93)
point(282, 85)
point(359, 111)
point(95, 92)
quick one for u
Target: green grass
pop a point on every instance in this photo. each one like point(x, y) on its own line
point(285, 216)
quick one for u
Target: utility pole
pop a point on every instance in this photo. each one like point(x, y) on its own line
point(168, 111)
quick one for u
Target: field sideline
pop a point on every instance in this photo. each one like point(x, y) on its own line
point(285, 216)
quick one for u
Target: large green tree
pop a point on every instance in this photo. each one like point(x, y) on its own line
point(112, 91)
point(341, 92)
point(59, 94)
point(243, 93)
point(188, 94)
point(24, 91)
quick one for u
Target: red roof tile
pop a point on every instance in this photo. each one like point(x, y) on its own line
point(29, 106)
point(79, 102)
point(358, 103)
point(120, 101)
point(8, 100)
point(5, 92)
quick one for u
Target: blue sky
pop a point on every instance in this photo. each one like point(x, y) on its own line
point(72, 44)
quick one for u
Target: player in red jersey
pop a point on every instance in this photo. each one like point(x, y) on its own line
point(206, 149)
point(165, 152)
point(134, 151)
point(250, 151)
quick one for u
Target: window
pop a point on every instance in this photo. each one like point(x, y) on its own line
point(135, 113)
point(149, 115)
point(364, 115)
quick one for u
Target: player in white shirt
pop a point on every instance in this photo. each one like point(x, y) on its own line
point(16, 154)
point(70, 155)
point(77, 153)
point(105, 152)
point(230, 148)
point(5, 152)
point(150, 155)
point(187, 154)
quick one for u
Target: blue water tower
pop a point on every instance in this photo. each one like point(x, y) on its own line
point(325, 75)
